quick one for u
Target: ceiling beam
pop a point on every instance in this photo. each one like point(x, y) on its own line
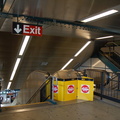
point(49, 21)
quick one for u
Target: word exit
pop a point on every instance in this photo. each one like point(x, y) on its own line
point(26, 29)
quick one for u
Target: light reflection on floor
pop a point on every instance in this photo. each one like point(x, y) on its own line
point(6, 105)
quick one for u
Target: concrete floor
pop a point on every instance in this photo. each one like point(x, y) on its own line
point(96, 110)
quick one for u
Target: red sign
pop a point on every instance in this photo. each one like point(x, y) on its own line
point(70, 88)
point(55, 88)
point(26, 29)
point(85, 88)
point(32, 30)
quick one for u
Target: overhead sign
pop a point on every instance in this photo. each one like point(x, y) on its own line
point(70, 89)
point(27, 29)
point(55, 89)
point(85, 88)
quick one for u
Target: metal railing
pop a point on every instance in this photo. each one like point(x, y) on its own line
point(112, 48)
point(110, 58)
point(45, 91)
point(107, 85)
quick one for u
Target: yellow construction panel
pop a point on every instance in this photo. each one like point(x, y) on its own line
point(70, 92)
point(66, 90)
point(58, 94)
point(85, 90)
point(48, 89)
point(74, 89)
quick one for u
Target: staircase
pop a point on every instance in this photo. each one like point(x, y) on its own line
point(110, 56)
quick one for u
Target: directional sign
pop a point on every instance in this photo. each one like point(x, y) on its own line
point(27, 29)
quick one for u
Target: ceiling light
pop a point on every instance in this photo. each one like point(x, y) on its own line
point(9, 84)
point(67, 64)
point(104, 37)
point(76, 55)
point(100, 15)
point(82, 48)
point(15, 68)
point(96, 63)
point(24, 45)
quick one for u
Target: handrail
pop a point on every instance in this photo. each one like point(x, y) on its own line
point(108, 57)
point(117, 53)
point(38, 90)
point(97, 70)
point(43, 95)
point(113, 86)
point(113, 50)
point(112, 43)
point(113, 77)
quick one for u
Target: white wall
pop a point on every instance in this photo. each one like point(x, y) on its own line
point(94, 63)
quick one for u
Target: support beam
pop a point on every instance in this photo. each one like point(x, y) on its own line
point(42, 21)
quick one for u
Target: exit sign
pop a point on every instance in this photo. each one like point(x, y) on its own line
point(27, 29)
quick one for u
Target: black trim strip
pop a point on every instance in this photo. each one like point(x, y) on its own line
point(86, 79)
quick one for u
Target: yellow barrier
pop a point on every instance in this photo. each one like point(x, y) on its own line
point(85, 90)
point(66, 90)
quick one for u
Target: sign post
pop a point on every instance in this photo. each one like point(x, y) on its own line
point(27, 29)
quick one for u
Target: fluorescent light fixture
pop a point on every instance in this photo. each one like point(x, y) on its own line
point(76, 55)
point(100, 15)
point(82, 48)
point(104, 37)
point(96, 63)
point(15, 68)
point(67, 64)
point(9, 84)
point(24, 45)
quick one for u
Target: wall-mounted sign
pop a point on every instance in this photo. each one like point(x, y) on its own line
point(27, 29)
